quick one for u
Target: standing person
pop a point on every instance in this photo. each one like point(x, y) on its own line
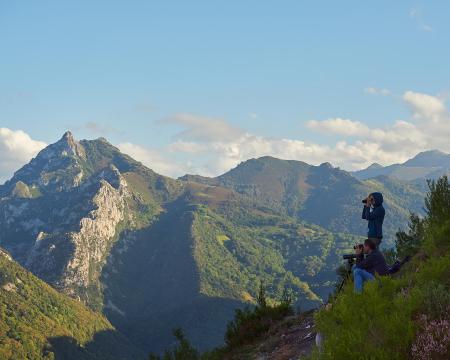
point(374, 212)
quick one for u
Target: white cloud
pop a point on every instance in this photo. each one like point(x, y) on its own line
point(199, 128)
point(416, 15)
point(152, 158)
point(210, 146)
point(16, 149)
point(425, 106)
point(339, 126)
point(427, 128)
point(375, 91)
point(189, 147)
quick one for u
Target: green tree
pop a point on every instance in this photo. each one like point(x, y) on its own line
point(437, 201)
point(437, 213)
point(408, 242)
point(183, 351)
point(261, 299)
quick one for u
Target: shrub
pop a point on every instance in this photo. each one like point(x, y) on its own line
point(433, 342)
point(436, 300)
point(376, 323)
point(183, 351)
point(249, 324)
point(383, 321)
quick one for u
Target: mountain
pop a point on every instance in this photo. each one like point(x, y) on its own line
point(428, 164)
point(154, 253)
point(37, 322)
point(374, 166)
point(62, 212)
point(322, 195)
point(405, 314)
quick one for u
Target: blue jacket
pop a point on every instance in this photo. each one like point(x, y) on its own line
point(375, 217)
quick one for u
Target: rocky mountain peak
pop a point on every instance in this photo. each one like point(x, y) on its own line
point(374, 166)
point(68, 136)
point(326, 165)
point(56, 167)
point(68, 145)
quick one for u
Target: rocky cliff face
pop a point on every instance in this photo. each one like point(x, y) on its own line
point(85, 249)
point(96, 232)
point(61, 214)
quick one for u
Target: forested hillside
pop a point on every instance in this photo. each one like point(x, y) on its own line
point(37, 322)
point(322, 195)
point(401, 316)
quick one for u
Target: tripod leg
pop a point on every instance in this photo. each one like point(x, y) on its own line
point(345, 279)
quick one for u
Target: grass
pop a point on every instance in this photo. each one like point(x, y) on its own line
point(405, 316)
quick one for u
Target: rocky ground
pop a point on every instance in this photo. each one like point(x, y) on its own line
point(293, 338)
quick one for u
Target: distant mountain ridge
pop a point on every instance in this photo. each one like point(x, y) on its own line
point(153, 253)
point(322, 194)
point(427, 164)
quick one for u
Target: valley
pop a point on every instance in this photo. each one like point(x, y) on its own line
point(154, 253)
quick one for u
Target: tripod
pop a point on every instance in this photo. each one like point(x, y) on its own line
point(348, 273)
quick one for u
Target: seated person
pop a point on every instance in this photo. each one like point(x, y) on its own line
point(366, 268)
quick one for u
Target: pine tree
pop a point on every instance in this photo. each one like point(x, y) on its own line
point(437, 212)
point(261, 299)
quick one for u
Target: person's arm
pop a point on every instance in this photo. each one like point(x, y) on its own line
point(367, 263)
point(375, 214)
point(363, 216)
point(359, 258)
point(359, 255)
point(366, 208)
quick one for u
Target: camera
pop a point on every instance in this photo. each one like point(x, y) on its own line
point(351, 257)
point(364, 201)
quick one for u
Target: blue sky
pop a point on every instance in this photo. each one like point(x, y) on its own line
point(158, 78)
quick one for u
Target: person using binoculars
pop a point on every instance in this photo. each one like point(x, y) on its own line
point(374, 212)
point(366, 267)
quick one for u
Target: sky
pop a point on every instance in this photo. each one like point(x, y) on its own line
point(200, 86)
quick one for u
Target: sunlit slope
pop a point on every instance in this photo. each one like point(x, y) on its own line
point(37, 322)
